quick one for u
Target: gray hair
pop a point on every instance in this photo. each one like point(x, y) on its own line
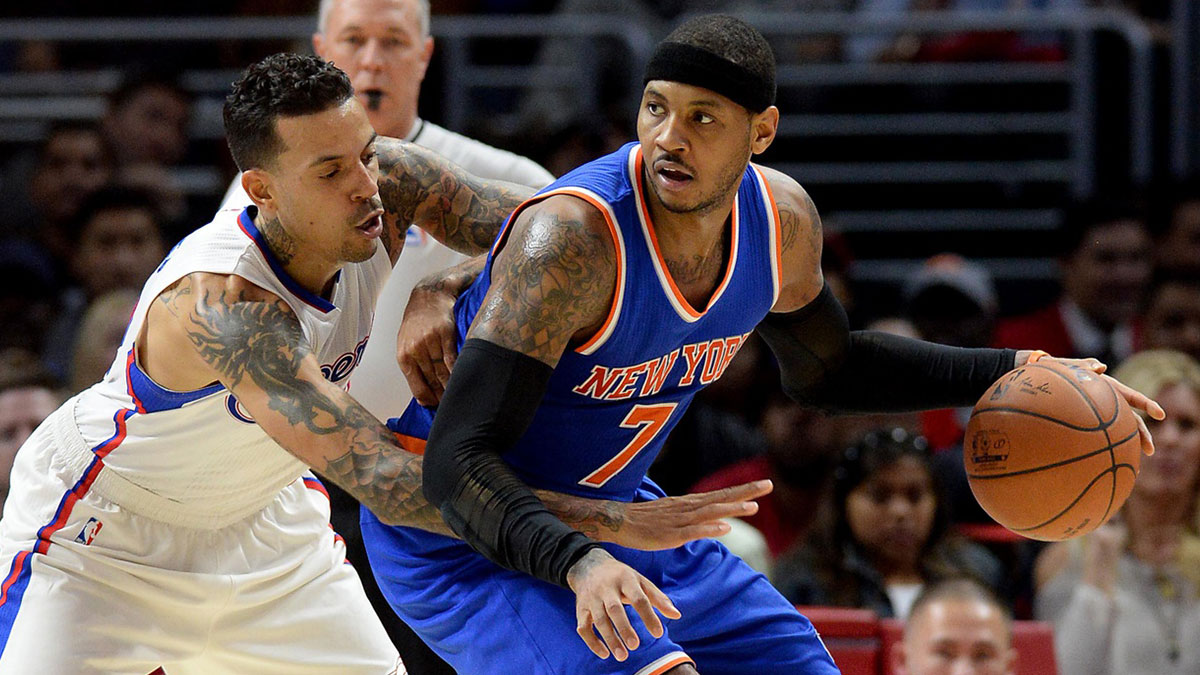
point(327, 5)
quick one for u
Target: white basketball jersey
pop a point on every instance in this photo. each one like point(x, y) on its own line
point(199, 453)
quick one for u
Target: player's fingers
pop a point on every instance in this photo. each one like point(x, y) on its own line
point(441, 374)
point(1144, 433)
point(1138, 400)
point(586, 630)
point(718, 511)
point(659, 600)
point(449, 349)
point(641, 604)
point(608, 633)
point(420, 387)
point(738, 493)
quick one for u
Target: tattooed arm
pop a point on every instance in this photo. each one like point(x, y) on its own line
point(209, 327)
point(824, 364)
point(251, 342)
point(423, 188)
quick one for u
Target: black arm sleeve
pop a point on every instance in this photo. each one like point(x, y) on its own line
point(488, 404)
point(825, 365)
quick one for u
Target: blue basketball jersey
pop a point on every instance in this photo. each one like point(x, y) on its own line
point(609, 406)
point(613, 400)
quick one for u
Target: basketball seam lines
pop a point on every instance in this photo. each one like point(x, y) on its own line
point(1108, 448)
point(1112, 470)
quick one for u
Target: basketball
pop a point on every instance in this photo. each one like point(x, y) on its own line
point(1051, 451)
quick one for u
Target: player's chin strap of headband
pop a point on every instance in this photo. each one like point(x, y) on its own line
point(677, 62)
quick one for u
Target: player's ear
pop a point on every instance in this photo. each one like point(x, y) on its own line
point(763, 126)
point(259, 187)
point(318, 40)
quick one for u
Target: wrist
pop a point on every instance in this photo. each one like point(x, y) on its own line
point(1025, 357)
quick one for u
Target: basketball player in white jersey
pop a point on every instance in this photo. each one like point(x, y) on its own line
point(384, 46)
point(166, 516)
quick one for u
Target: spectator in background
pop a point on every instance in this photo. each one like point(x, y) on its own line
point(99, 337)
point(1105, 266)
point(27, 298)
point(884, 536)
point(1177, 245)
point(957, 627)
point(1126, 598)
point(1172, 316)
point(119, 244)
point(27, 395)
point(72, 163)
point(146, 121)
point(974, 46)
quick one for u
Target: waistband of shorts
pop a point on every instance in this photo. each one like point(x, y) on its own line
point(129, 495)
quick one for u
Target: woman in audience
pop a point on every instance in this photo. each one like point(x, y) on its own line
point(1126, 598)
point(885, 534)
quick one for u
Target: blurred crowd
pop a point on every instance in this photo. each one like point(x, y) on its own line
point(867, 511)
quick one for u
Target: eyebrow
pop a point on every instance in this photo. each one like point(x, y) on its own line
point(703, 102)
point(354, 26)
point(329, 158)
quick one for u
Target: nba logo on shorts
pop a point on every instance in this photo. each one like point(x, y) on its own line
point(89, 532)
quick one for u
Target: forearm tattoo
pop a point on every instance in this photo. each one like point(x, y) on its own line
point(261, 341)
point(555, 278)
point(461, 210)
point(599, 519)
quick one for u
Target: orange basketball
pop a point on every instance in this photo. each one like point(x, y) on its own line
point(1051, 451)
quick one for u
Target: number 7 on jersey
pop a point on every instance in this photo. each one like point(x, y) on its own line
point(649, 420)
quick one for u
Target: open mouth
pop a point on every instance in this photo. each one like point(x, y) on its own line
point(673, 174)
point(373, 225)
point(374, 98)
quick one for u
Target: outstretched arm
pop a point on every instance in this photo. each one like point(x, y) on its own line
point(422, 188)
point(826, 365)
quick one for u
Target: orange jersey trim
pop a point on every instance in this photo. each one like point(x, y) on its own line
point(664, 664)
point(777, 235)
point(411, 443)
point(681, 303)
point(605, 330)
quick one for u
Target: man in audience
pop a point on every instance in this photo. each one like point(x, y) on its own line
point(1172, 316)
point(27, 396)
point(957, 627)
point(118, 244)
point(1105, 262)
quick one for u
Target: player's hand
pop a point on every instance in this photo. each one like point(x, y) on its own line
point(658, 524)
point(1136, 399)
point(425, 346)
point(674, 521)
point(603, 586)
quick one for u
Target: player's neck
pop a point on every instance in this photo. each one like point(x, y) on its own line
point(309, 269)
point(694, 234)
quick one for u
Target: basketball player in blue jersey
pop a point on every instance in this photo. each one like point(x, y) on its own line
point(607, 302)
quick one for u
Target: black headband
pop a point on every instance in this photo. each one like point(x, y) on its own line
point(677, 62)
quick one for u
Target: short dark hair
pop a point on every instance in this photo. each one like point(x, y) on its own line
point(141, 77)
point(731, 39)
point(959, 588)
point(117, 197)
point(64, 127)
point(281, 85)
point(1081, 218)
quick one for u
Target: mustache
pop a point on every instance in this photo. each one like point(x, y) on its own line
point(674, 159)
point(375, 204)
